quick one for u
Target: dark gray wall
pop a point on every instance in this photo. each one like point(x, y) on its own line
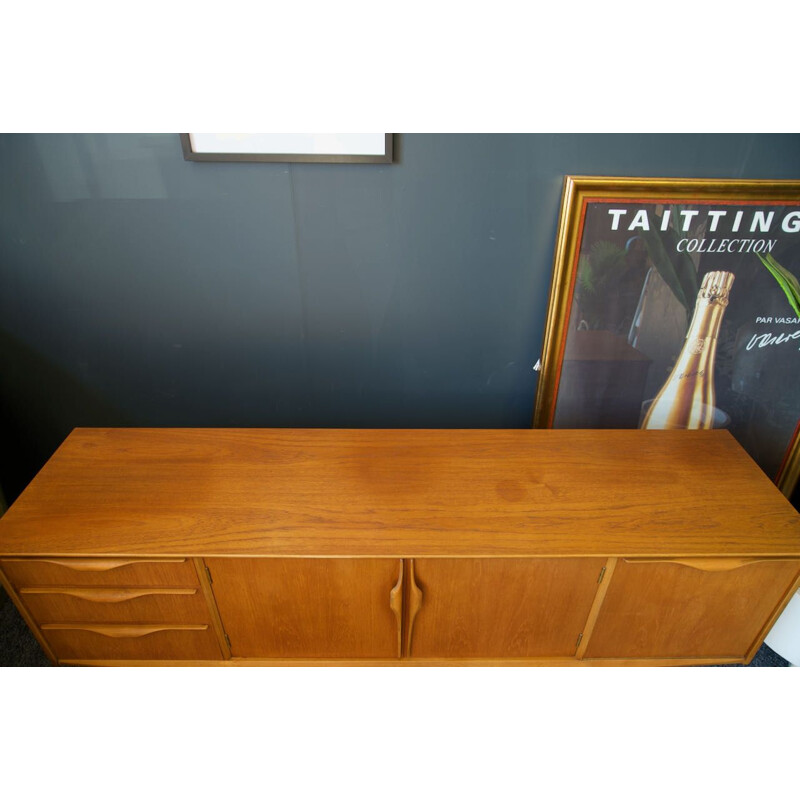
point(140, 289)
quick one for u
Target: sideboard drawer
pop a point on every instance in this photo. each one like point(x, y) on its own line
point(86, 642)
point(99, 572)
point(112, 604)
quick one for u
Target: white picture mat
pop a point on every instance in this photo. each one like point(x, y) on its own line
point(356, 144)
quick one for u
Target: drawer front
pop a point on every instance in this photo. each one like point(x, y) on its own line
point(112, 604)
point(132, 642)
point(99, 572)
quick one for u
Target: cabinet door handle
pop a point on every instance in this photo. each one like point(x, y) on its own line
point(121, 631)
point(103, 595)
point(414, 602)
point(396, 604)
point(706, 564)
point(99, 564)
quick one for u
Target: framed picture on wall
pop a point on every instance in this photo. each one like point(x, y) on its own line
point(318, 148)
point(675, 304)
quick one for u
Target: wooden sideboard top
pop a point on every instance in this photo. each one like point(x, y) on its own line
point(324, 492)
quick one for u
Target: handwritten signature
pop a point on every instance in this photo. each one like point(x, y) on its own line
point(767, 339)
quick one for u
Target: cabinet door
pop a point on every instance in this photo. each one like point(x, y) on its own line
point(499, 607)
point(309, 607)
point(713, 608)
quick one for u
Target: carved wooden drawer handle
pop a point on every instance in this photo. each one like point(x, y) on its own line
point(121, 631)
point(396, 604)
point(707, 564)
point(414, 602)
point(100, 564)
point(102, 594)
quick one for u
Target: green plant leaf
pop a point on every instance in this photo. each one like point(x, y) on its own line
point(586, 275)
point(607, 255)
point(786, 280)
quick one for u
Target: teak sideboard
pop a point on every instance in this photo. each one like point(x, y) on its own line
point(283, 546)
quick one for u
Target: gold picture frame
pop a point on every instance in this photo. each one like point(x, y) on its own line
point(617, 236)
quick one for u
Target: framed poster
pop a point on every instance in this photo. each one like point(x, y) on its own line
point(315, 148)
point(675, 304)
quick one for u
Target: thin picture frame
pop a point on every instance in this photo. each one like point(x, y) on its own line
point(386, 157)
point(602, 376)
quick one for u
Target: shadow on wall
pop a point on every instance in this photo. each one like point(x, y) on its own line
point(40, 403)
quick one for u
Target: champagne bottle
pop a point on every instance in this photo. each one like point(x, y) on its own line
point(687, 399)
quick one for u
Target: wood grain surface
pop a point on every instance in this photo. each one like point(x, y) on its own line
point(134, 643)
point(44, 572)
point(403, 662)
point(502, 607)
point(307, 608)
point(400, 493)
point(136, 605)
point(671, 610)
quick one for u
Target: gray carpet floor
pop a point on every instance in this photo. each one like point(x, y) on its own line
point(19, 648)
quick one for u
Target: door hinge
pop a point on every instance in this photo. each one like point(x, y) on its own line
point(578, 643)
point(228, 640)
point(208, 572)
point(602, 575)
